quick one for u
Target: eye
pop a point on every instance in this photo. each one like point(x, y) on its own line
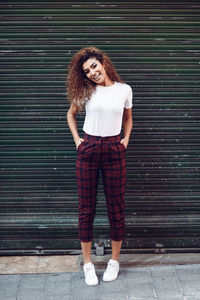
point(94, 66)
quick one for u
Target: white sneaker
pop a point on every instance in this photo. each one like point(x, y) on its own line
point(90, 275)
point(112, 270)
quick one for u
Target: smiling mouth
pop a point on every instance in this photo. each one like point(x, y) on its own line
point(96, 77)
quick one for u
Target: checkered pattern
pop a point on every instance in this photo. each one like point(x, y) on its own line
point(105, 155)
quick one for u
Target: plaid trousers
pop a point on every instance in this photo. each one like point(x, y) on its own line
point(105, 154)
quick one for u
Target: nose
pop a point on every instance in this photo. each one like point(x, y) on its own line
point(92, 72)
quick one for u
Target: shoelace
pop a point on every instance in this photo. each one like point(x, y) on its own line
point(90, 272)
point(111, 266)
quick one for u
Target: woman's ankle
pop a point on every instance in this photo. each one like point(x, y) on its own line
point(87, 261)
point(115, 258)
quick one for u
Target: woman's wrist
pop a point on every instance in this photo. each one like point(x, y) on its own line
point(76, 139)
point(126, 139)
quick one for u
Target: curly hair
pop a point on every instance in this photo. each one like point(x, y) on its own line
point(79, 87)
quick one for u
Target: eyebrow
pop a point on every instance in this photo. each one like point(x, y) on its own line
point(90, 66)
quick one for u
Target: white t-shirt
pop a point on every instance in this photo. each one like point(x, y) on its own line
point(104, 110)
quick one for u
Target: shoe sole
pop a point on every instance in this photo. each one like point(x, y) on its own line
point(110, 280)
point(92, 284)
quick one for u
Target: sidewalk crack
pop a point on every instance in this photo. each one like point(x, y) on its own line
point(152, 283)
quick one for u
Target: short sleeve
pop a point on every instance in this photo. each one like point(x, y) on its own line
point(128, 101)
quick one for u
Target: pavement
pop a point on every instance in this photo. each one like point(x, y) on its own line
point(171, 280)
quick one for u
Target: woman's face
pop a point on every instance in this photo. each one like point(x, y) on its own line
point(95, 71)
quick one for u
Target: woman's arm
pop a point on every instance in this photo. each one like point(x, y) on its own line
point(127, 126)
point(71, 119)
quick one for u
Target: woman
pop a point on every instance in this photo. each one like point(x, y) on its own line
point(94, 84)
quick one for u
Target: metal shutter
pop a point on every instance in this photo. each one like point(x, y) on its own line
point(155, 46)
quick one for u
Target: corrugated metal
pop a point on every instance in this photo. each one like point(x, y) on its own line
point(155, 46)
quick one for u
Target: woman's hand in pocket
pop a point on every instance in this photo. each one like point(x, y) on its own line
point(78, 142)
point(124, 142)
